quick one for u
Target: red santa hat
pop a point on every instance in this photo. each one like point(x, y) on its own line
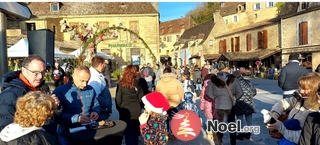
point(156, 102)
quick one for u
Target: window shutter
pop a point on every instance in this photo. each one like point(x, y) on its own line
point(232, 45)
point(220, 46)
point(225, 45)
point(267, 4)
point(238, 44)
point(260, 40)
point(305, 32)
point(250, 42)
point(265, 39)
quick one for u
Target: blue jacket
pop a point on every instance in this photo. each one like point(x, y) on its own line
point(71, 104)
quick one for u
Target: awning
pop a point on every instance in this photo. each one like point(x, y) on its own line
point(250, 55)
point(194, 56)
point(211, 56)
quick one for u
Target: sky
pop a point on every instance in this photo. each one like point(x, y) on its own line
point(175, 10)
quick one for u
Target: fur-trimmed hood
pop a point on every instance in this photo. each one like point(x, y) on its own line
point(167, 77)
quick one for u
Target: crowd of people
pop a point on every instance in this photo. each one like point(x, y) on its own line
point(147, 99)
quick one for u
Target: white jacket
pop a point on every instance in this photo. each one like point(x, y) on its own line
point(296, 112)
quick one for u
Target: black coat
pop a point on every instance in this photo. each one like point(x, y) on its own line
point(128, 101)
point(37, 137)
point(12, 88)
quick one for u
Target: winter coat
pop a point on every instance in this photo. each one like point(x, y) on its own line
point(204, 72)
point(14, 134)
point(12, 88)
point(206, 103)
point(196, 76)
point(289, 75)
point(188, 103)
point(158, 73)
point(310, 134)
point(128, 101)
point(245, 104)
point(170, 88)
point(217, 91)
point(68, 95)
point(296, 112)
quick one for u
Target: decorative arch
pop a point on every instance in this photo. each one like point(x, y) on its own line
point(97, 37)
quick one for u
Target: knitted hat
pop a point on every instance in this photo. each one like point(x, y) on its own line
point(221, 65)
point(156, 102)
point(293, 56)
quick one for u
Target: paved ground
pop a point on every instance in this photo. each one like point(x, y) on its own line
point(268, 93)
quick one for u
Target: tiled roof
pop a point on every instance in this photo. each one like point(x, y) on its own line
point(231, 8)
point(92, 8)
point(202, 30)
point(291, 9)
point(249, 55)
point(255, 25)
point(211, 56)
point(175, 26)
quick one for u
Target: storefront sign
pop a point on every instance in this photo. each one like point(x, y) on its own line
point(120, 45)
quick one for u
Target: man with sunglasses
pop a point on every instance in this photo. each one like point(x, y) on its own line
point(17, 83)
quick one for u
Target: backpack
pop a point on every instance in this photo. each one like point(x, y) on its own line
point(199, 81)
point(145, 72)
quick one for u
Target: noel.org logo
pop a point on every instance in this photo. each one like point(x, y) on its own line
point(185, 125)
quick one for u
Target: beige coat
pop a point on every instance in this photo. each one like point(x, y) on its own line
point(171, 88)
point(298, 112)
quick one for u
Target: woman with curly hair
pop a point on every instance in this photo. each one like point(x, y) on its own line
point(33, 110)
point(128, 103)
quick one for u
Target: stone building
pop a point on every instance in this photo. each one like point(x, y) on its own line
point(300, 30)
point(170, 32)
point(71, 21)
point(240, 14)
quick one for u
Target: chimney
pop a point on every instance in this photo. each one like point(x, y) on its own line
point(155, 5)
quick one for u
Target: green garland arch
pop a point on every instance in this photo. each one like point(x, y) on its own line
point(97, 34)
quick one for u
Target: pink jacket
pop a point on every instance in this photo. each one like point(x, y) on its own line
point(206, 103)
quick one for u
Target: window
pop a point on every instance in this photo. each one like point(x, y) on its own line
point(270, 4)
point(257, 6)
point(55, 7)
point(303, 5)
point(103, 25)
point(54, 29)
point(134, 26)
point(232, 45)
point(168, 38)
point(237, 44)
point(164, 38)
point(226, 20)
point(263, 39)
point(249, 42)
point(223, 46)
point(235, 18)
point(303, 33)
point(31, 26)
point(210, 43)
point(222, 4)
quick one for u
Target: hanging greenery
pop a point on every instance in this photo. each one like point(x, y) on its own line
point(99, 36)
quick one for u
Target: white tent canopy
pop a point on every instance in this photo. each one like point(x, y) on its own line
point(20, 49)
point(59, 54)
point(105, 56)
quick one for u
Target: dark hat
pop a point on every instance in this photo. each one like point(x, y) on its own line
point(237, 73)
point(293, 56)
point(221, 65)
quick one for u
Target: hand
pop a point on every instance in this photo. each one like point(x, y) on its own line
point(56, 100)
point(274, 126)
point(94, 115)
point(143, 118)
point(84, 119)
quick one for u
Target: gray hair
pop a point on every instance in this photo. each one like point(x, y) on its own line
point(26, 61)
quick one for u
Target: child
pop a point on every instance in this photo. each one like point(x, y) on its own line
point(207, 105)
point(187, 83)
point(188, 103)
point(153, 125)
